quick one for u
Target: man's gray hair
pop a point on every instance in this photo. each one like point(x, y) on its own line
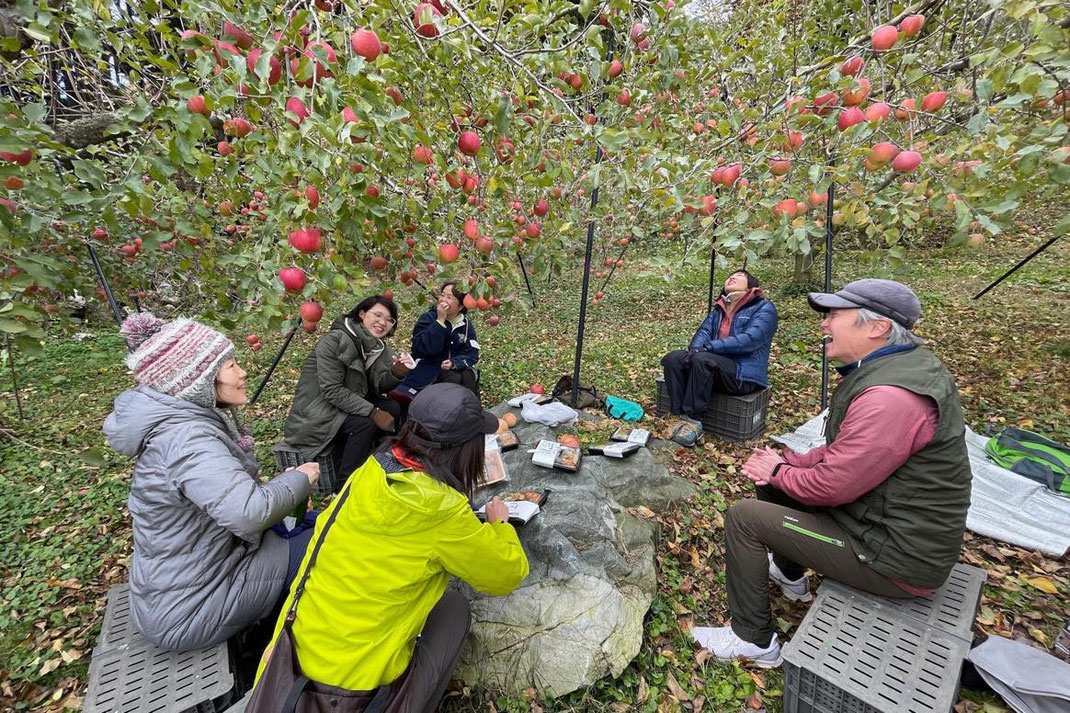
point(898, 335)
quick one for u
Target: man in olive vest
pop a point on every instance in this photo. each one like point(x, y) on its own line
point(881, 507)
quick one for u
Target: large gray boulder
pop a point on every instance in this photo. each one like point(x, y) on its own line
point(579, 614)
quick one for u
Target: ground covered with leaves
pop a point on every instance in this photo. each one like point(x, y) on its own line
point(63, 491)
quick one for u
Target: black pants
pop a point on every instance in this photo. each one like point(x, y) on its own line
point(691, 382)
point(357, 438)
point(436, 655)
point(799, 537)
point(465, 377)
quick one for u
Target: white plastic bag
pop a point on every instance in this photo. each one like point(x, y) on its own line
point(552, 414)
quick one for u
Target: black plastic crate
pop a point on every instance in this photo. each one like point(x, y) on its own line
point(288, 458)
point(852, 656)
point(736, 418)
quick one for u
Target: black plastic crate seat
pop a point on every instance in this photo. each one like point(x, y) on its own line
point(951, 608)
point(736, 418)
point(129, 674)
point(857, 652)
point(288, 458)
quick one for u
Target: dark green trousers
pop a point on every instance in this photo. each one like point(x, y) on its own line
point(800, 537)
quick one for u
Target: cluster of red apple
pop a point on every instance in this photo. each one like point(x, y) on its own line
point(14, 183)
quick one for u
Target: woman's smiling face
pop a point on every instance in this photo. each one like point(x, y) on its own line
point(377, 321)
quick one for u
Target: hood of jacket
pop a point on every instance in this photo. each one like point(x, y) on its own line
point(401, 502)
point(140, 413)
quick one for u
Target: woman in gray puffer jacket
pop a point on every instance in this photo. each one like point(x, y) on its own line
point(205, 565)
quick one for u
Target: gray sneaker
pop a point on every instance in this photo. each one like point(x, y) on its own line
point(797, 590)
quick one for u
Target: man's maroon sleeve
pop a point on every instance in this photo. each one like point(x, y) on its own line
point(883, 427)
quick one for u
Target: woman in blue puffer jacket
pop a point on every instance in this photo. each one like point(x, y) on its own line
point(728, 354)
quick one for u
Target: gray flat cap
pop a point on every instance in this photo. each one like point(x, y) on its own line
point(887, 298)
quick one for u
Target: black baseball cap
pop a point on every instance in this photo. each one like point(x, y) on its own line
point(451, 414)
point(887, 298)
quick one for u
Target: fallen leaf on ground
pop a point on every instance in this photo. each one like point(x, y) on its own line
point(679, 693)
point(1042, 583)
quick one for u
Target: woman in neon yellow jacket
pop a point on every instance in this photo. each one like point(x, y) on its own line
point(378, 583)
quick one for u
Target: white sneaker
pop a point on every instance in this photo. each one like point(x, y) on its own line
point(797, 590)
point(723, 643)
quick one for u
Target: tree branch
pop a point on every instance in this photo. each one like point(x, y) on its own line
point(88, 131)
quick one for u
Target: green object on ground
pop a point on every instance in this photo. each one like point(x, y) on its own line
point(1033, 456)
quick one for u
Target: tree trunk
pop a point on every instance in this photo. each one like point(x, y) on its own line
point(804, 262)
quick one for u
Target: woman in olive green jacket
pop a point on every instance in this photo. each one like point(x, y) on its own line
point(340, 407)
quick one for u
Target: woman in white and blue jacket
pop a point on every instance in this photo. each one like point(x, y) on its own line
point(729, 354)
point(444, 346)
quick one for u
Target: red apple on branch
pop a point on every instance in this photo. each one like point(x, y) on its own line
point(852, 66)
point(877, 112)
point(296, 108)
point(911, 25)
point(933, 101)
point(448, 253)
point(469, 143)
point(424, 20)
point(906, 162)
point(883, 38)
point(293, 279)
point(274, 66)
point(311, 311)
point(366, 44)
point(883, 152)
point(197, 104)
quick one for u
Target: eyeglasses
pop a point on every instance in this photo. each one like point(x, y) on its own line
point(381, 318)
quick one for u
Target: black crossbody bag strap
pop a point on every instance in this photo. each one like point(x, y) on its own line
point(382, 693)
point(292, 613)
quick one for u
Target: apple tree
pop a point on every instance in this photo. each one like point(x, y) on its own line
point(247, 160)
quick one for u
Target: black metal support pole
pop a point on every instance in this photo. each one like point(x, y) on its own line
point(713, 265)
point(586, 286)
point(1014, 269)
point(116, 312)
point(14, 376)
point(524, 272)
point(587, 264)
point(828, 288)
point(278, 358)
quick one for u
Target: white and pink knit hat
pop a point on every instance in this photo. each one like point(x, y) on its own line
point(180, 358)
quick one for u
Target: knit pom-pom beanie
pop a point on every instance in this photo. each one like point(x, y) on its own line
point(140, 326)
point(180, 358)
